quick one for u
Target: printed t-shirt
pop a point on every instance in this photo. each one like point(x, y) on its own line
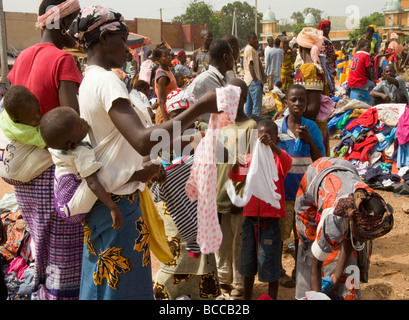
point(357, 74)
point(44, 66)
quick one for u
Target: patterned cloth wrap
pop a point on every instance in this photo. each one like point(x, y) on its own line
point(92, 21)
point(365, 225)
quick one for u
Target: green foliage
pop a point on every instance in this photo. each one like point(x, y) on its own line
point(220, 22)
point(375, 18)
point(201, 13)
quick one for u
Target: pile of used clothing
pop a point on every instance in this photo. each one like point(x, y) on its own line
point(376, 140)
point(16, 261)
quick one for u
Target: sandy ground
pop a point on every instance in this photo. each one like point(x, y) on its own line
point(389, 271)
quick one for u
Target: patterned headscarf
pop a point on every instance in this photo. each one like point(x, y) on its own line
point(365, 225)
point(311, 38)
point(92, 21)
point(58, 12)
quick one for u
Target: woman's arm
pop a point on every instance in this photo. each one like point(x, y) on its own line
point(67, 93)
point(315, 275)
point(130, 126)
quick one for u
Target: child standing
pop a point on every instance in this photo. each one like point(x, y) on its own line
point(261, 239)
point(165, 81)
point(302, 140)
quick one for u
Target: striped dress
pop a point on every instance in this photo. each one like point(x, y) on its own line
point(181, 209)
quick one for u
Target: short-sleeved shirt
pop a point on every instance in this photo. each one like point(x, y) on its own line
point(251, 55)
point(357, 73)
point(391, 90)
point(41, 68)
point(98, 91)
point(274, 59)
point(299, 151)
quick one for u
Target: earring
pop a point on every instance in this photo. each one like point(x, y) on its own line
point(64, 32)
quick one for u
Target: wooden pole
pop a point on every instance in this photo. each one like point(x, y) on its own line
point(3, 48)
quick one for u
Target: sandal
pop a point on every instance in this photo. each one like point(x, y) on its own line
point(286, 281)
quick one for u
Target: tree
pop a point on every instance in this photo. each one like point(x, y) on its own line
point(245, 17)
point(375, 18)
point(201, 13)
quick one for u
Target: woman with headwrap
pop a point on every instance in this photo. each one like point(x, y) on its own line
point(312, 76)
point(337, 216)
point(396, 50)
point(116, 263)
point(53, 77)
point(328, 51)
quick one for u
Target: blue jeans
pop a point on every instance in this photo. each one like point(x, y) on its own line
point(261, 253)
point(254, 99)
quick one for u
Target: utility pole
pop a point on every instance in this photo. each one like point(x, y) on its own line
point(255, 18)
point(3, 48)
point(234, 26)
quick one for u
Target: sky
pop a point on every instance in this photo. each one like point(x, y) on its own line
point(151, 9)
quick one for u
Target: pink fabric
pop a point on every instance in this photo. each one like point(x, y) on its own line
point(18, 265)
point(58, 12)
point(202, 183)
point(402, 130)
point(326, 107)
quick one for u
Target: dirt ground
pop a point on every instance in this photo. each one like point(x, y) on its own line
point(389, 270)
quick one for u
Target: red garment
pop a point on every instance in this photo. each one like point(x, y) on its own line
point(357, 73)
point(368, 119)
point(40, 68)
point(283, 164)
point(361, 150)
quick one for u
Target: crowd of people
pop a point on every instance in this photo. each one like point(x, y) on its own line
point(216, 198)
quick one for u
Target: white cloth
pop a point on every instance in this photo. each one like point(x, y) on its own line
point(75, 164)
point(98, 90)
point(258, 181)
point(141, 105)
point(22, 162)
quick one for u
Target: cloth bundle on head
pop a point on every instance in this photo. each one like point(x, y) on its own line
point(365, 225)
point(179, 99)
point(311, 38)
point(394, 36)
point(92, 21)
point(181, 53)
point(323, 24)
point(58, 12)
